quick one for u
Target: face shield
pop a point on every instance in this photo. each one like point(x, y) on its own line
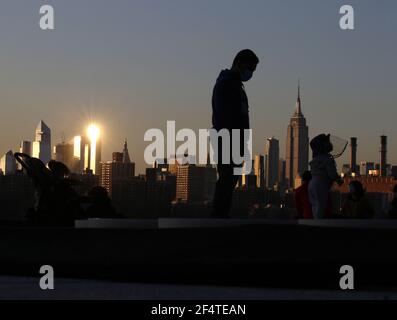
point(339, 146)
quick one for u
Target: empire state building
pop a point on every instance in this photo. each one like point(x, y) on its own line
point(297, 153)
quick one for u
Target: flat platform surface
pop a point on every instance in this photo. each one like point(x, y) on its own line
point(27, 288)
point(165, 223)
point(267, 255)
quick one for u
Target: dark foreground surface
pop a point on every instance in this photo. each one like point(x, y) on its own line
point(27, 288)
point(292, 257)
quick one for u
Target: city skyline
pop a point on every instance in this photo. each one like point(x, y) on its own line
point(84, 152)
point(146, 72)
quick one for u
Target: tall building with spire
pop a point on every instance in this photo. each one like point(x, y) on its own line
point(113, 174)
point(126, 155)
point(297, 153)
point(42, 143)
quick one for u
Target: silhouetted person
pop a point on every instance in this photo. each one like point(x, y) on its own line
point(357, 205)
point(42, 180)
point(302, 201)
point(60, 204)
point(392, 213)
point(66, 199)
point(101, 206)
point(230, 111)
point(324, 174)
point(56, 201)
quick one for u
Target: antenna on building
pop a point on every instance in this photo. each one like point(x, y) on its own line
point(298, 108)
point(299, 88)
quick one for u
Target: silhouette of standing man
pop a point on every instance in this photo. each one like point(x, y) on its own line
point(230, 111)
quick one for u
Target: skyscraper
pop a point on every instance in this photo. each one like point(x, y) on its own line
point(42, 143)
point(160, 191)
point(95, 148)
point(80, 154)
point(189, 186)
point(272, 158)
point(63, 152)
point(281, 172)
point(259, 170)
point(297, 153)
point(8, 164)
point(250, 179)
point(126, 155)
point(116, 172)
point(195, 183)
point(118, 178)
point(26, 147)
point(87, 151)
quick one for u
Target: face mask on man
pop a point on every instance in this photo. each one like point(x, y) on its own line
point(246, 75)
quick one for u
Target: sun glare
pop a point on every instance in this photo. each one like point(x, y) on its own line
point(93, 132)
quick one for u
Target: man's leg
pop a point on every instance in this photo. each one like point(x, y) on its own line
point(232, 181)
point(224, 191)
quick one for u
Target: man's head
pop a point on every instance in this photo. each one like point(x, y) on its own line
point(245, 64)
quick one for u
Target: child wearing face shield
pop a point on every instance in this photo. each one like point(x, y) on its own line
point(324, 174)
